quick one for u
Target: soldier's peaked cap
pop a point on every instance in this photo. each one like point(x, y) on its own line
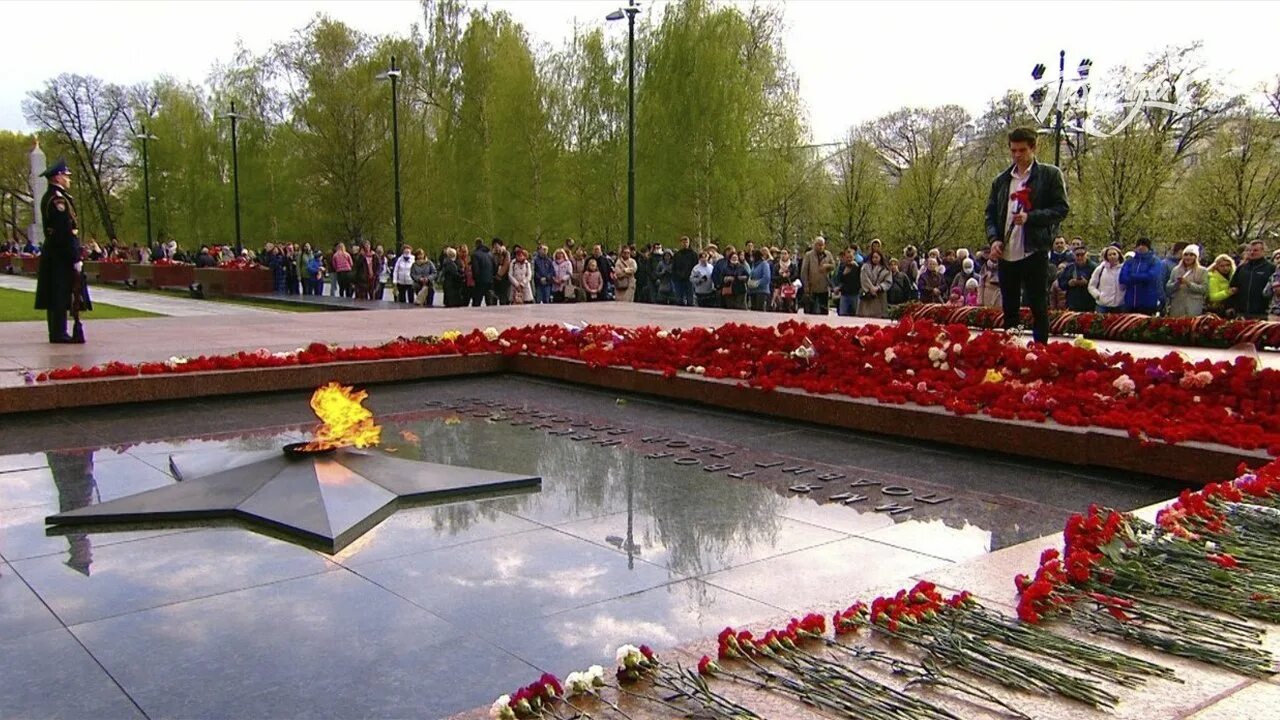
point(58, 168)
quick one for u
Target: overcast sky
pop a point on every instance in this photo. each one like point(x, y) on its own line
point(855, 60)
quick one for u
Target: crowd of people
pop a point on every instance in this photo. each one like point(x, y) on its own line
point(854, 281)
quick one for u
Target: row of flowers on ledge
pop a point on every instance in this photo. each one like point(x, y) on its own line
point(1171, 398)
point(1183, 586)
point(1199, 331)
point(1215, 548)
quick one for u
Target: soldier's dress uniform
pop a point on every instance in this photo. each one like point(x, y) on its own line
point(56, 281)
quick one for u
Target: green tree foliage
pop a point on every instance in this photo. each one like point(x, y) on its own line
point(15, 192)
point(1233, 194)
point(501, 135)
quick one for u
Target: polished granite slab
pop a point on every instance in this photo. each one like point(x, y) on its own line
point(325, 499)
point(325, 646)
point(49, 675)
point(655, 523)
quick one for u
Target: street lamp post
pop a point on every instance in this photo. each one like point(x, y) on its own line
point(393, 75)
point(1057, 123)
point(146, 137)
point(1083, 71)
point(1059, 102)
point(629, 12)
point(234, 117)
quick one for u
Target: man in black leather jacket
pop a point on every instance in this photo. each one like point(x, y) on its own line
point(1027, 204)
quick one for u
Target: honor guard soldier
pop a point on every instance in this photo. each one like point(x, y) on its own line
point(60, 266)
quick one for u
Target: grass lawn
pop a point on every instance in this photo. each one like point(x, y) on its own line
point(16, 305)
point(253, 302)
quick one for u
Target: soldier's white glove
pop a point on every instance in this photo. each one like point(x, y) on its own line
point(78, 266)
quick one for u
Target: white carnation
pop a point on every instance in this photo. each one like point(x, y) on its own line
point(624, 653)
point(501, 708)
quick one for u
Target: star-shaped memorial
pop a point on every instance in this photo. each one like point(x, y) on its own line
point(325, 500)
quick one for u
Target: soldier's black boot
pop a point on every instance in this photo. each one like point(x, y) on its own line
point(57, 326)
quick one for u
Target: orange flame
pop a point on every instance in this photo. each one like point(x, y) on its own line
point(344, 420)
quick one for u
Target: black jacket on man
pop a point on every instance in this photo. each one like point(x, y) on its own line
point(1048, 207)
point(483, 267)
point(682, 263)
point(1079, 298)
point(1251, 279)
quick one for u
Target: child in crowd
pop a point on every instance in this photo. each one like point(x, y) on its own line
point(971, 292)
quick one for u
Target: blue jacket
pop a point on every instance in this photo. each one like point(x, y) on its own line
point(717, 272)
point(1141, 276)
point(1166, 271)
point(762, 274)
point(544, 268)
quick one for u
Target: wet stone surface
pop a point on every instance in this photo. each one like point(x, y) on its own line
point(656, 522)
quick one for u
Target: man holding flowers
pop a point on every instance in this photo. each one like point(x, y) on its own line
point(1028, 202)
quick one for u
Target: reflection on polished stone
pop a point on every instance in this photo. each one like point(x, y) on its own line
point(332, 645)
point(826, 576)
point(706, 542)
point(165, 569)
point(617, 546)
point(21, 612)
point(937, 537)
point(662, 617)
point(48, 675)
point(326, 500)
point(527, 575)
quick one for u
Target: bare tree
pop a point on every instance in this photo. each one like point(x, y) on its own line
point(923, 153)
point(91, 117)
point(860, 189)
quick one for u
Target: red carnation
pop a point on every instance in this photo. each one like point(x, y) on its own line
point(706, 666)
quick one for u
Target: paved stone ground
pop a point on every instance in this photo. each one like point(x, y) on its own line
point(439, 609)
point(22, 345)
point(159, 304)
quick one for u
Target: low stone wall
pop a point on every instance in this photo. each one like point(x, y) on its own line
point(162, 276)
point(1187, 462)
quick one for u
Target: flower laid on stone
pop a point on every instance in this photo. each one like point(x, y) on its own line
point(911, 362)
point(1212, 549)
point(535, 700)
point(805, 351)
point(684, 689)
point(961, 635)
point(1201, 331)
point(818, 681)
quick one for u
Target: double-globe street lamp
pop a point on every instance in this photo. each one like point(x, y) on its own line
point(629, 12)
point(146, 138)
point(1040, 95)
point(393, 74)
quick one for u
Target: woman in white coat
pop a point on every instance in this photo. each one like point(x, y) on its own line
point(1188, 284)
point(1105, 285)
point(521, 274)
